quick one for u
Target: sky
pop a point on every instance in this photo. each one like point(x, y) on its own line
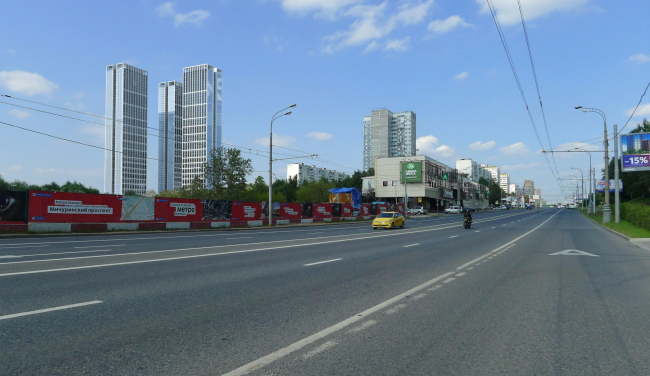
point(337, 60)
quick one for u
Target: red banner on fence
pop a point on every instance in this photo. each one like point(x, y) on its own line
point(290, 210)
point(246, 211)
point(73, 207)
point(322, 210)
point(178, 209)
point(382, 208)
point(400, 208)
point(346, 210)
point(365, 209)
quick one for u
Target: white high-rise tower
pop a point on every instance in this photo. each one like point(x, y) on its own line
point(125, 160)
point(202, 112)
point(170, 127)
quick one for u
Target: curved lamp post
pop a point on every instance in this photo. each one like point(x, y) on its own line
point(277, 115)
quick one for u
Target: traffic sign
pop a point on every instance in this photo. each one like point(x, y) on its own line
point(445, 176)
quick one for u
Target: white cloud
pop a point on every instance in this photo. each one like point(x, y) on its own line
point(322, 8)
point(372, 46)
point(480, 145)
point(461, 76)
point(320, 136)
point(508, 10)
point(196, 16)
point(278, 140)
point(15, 168)
point(515, 149)
point(26, 83)
point(370, 24)
point(428, 145)
point(643, 110)
point(397, 44)
point(95, 130)
point(447, 25)
point(639, 59)
point(19, 114)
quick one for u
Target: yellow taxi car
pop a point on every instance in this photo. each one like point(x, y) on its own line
point(388, 220)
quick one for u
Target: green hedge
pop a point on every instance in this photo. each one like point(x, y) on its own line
point(637, 214)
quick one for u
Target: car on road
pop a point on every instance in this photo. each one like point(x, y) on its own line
point(418, 210)
point(571, 206)
point(388, 220)
point(453, 209)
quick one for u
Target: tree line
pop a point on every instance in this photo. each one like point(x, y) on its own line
point(23, 186)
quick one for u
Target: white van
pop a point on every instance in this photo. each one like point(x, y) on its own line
point(453, 210)
point(571, 206)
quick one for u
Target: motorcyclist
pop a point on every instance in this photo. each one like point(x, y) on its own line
point(467, 216)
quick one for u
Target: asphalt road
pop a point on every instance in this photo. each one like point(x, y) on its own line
point(344, 299)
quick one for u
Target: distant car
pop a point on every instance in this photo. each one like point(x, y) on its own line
point(418, 210)
point(528, 206)
point(388, 220)
point(453, 210)
point(571, 206)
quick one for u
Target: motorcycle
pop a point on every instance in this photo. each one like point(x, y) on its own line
point(467, 223)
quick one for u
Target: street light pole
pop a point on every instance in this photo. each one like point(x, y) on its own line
point(617, 211)
point(582, 178)
point(607, 214)
point(275, 116)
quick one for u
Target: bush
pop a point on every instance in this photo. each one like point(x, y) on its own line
point(636, 213)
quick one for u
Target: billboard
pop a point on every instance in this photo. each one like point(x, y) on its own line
point(347, 210)
point(13, 206)
point(635, 152)
point(600, 186)
point(217, 210)
point(178, 209)
point(322, 210)
point(290, 210)
point(307, 210)
point(246, 211)
point(137, 208)
point(412, 172)
point(73, 207)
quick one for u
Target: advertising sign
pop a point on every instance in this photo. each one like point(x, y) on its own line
point(535, 197)
point(178, 209)
point(635, 150)
point(290, 210)
point(346, 210)
point(137, 208)
point(336, 209)
point(365, 209)
point(322, 210)
point(73, 207)
point(13, 206)
point(382, 208)
point(600, 186)
point(448, 193)
point(412, 172)
point(307, 210)
point(246, 211)
point(217, 210)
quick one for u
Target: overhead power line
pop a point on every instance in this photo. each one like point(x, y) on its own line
point(635, 108)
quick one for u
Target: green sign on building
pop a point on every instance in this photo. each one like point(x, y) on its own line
point(412, 172)
point(445, 176)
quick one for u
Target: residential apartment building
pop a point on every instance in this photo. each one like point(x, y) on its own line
point(504, 181)
point(538, 191)
point(513, 188)
point(387, 134)
point(202, 116)
point(529, 187)
point(312, 173)
point(473, 170)
point(495, 172)
point(170, 129)
point(125, 158)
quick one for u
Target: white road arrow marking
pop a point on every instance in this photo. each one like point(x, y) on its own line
point(573, 252)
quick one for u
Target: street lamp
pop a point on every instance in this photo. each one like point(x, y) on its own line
point(277, 115)
point(582, 178)
point(607, 214)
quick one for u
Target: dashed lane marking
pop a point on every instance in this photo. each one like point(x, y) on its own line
point(49, 310)
point(323, 262)
point(363, 326)
point(324, 347)
point(395, 309)
point(449, 280)
point(460, 274)
point(419, 296)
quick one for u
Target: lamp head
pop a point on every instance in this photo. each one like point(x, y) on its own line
point(293, 105)
point(287, 113)
point(578, 107)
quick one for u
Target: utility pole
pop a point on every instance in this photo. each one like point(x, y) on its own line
point(617, 210)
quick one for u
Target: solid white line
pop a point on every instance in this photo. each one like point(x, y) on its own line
point(10, 256)
point(21, 246)
point(66, 253)
point(322, 262)
point(49, 310)
point(272, 357)
point(243, 237)
point(510, 243)
point(411, 245)
point(103, 245)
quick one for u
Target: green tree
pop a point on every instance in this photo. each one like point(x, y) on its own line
point(496, 193)
point(226, 172)
point(76, 187)
point(314, 191)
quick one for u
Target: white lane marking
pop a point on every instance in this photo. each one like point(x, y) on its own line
point(272, 357)
point(49, 310)
point(460, 274)
point(324, 347)
point(411, 245)
point(434, 288)
point(10, 256)
point(490, 257)
point(243, 237)
point(493, 227)
point(510, 243)
point(66, 253)
point(363, 326)
point(419, 296)
point(432, 228)
point(470, 268)
point(322, 262)
point(12, 246)
point(102, 245)
point(313, 233)
point(455, 236)
point(477, 231)
point(396, 308)
point(449, 280)
point(572, 252)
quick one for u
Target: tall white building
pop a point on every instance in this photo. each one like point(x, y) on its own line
point(473, 170)
point(125, 160)
point(202, 113)
point(387, 134)
point(504, 182)
point(170, 126)
point(513, 188)
point(495, 172)
point(312, 173)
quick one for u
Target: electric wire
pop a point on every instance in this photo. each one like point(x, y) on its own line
point(635, 108)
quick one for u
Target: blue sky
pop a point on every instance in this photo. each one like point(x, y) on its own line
point(338, 60)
